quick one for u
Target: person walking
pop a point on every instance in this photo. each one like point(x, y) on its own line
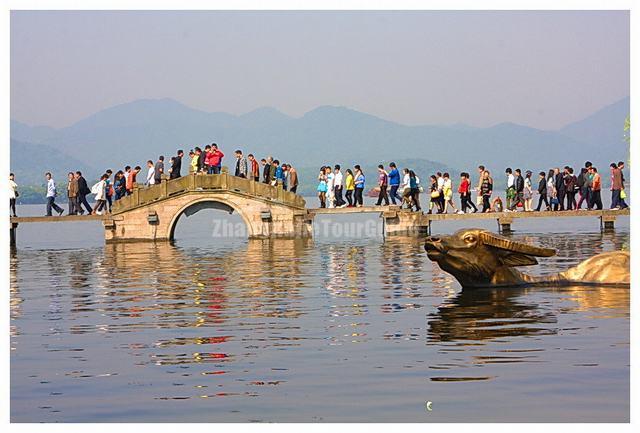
point(72, 193)
point(201, 166)
point(51, 196)
point(434, 193)
point(176, 166)
point(158, 170)
point(109, 190)
point(394, 183)
point(447, 191)
point(405, 187)
point(151, 174)
point(441, 199)
point(465, 194)
point(551, 190)
point(616, 185)
point(350, 186)
point(486, 189)
point(293, 179)
point(83, 192)
point(559, 189)
point(623, 194)
point(415, 191)
point(596, 188)
point(13, 194)
point(241, 165)
point(359, 186)
point(99, 189)
point(254, 168)
point(528, 192)
point(120, 185)
point(481, 170)
point(338, 186)
point(583, 188)
point(193, 162)
point(383, 181)
point(517, 192)
point(542, 191)
point(570, 186)
point(285, 177)
point(266, 170)
point(322, 187)
point(330, 187)
point(131, 180)
point(278, 175)
point(208, 165)
point(510, 193)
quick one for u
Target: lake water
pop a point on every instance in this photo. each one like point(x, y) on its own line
point(330, 329)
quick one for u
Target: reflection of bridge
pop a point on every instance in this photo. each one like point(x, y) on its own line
point(268, 211)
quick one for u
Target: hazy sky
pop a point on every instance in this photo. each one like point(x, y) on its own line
point(542, 69)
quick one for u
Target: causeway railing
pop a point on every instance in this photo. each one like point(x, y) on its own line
point(223, 182)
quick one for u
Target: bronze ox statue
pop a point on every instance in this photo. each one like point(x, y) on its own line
point(479, 258)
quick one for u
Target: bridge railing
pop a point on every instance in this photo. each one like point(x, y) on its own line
point(207, 182)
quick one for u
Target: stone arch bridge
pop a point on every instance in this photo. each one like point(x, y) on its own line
point(152, 213)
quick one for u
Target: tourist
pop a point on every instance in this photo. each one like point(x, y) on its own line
point(616, 185)
point(330, 187)
point(278, 175)
point(447, 191)
point(202, 168)
point(51, 196)
point(13, 194)
point(570, 186)
point(349, 186)
point(83, 192)
point(486, 188)
point(338, 186)
point(241, 165)
point(293, 179)
point(99, 189)
point(254, 168)
point(465, 194)
point(176, 165)
point(481, 170)
point(322, 187)
point(383, 181)
point(405, 185)
point(72, 193)
point(552, 193)
point(415, 191)
point(193, 162)
point(127, 172)
point(120, 185)
point(215, 159)
point(517, 191)
point(131, 180)
point(441, 199)
point(542, 190)
point(434, 194)
point(623, 194)
point(496, 205)
point(527, 195)
point(596, 188)
point(359, 185)
point(559, 189)
point(285, 177)
point(108, 189)
point(158, 170)
point(583, 188)
point(170, 166)
point(394, 183)
point(589, 178)
point(273, 168)
point(151, 178)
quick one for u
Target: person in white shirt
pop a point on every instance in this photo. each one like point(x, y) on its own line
point(151, 173)
point(337, 186)
point(330, 188)
point(13, 194)
point(101, 195)
point(51, 196)
point(511, 187)
point(440, 183)
point(405, 187)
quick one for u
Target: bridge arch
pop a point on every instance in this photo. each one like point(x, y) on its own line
point(209, 202)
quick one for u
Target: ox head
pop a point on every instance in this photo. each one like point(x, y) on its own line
point(477, 258)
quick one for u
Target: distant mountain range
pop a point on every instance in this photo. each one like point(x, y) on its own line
point(134, 132)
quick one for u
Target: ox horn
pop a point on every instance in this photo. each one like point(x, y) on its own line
point(516, 247)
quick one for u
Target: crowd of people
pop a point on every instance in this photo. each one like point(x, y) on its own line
point(557, 189)
point(111, 188)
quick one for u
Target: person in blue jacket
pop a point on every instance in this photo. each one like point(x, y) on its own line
point(394, 183)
